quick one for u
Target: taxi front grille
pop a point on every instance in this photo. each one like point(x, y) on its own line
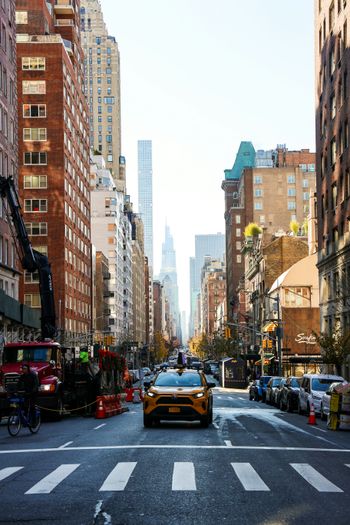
point(174, 401)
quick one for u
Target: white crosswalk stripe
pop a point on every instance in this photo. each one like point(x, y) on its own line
point(50, 482)
point(8, 471)
point(316, 480)
point(119, 477)
point(249, 478)
point(184, 476)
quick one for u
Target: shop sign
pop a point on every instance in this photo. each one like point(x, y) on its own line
point(306, 339)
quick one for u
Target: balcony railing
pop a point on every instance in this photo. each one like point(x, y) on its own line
point(39, 39)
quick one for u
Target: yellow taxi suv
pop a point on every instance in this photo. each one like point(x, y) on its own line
point(178, 393)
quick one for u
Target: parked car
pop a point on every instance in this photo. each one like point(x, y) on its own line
point(146, 371)
point(263, 384)
point(255, 390)
point(326, 399)
point(271, 386)
point(278, 390)
point(289, 394)
point(312, 389)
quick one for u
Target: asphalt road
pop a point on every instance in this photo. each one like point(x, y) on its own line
point(254, 465)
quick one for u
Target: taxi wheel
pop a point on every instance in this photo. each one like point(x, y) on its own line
point(205, 421)
point(147, 421)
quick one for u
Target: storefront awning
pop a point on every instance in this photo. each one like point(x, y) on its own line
point(267, 359)
point(269, 327)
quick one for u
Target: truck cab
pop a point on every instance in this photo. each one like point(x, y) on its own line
point(45, 359)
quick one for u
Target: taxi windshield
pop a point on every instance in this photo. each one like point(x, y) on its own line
point(178, 379)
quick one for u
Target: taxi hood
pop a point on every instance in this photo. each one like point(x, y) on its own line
point(185, 390)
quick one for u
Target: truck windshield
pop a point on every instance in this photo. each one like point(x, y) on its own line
point(34, 355)
point(178, 379)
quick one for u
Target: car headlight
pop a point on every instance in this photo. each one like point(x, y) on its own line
point(199, 394)
point(47, 388)
point(151, 394)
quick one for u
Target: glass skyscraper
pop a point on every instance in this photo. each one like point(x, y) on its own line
point(145, 194)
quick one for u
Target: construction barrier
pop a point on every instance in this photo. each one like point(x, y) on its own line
point(107, 406)
point(132, 394)
point(312, 415)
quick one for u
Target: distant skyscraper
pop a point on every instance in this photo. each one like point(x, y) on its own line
point(102, 88)
point(212, 245)
point(145, 194)
point(168, 277)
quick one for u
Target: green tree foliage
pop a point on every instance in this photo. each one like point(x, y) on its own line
point(252, 230)
point(335, 348)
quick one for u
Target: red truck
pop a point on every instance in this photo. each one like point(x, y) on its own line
point(61, 379)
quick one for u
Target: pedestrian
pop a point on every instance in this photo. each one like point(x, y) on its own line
point(29, 384)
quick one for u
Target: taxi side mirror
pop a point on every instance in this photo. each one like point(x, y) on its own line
point(211, 385)
point(147, 384)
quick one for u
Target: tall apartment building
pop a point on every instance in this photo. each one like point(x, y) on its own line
point(333, 161)
point(145, 194)
point(111, 234)
point(15, 319)
point(213, 292)
point(271, 195)
point(212, 245)
point(102, 87)
point(168, 277)
point(53, 130)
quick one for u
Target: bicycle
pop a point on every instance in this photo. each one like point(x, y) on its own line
point(18, 418)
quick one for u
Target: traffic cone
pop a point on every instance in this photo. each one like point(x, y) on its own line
point(312, 416)
point(100, 411)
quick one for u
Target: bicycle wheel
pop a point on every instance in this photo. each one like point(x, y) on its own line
point(35, 425)
point(14, 423)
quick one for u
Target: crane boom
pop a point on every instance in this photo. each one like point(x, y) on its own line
point(31, 259)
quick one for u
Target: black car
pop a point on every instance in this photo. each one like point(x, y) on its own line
point(289, 394)
point(276, 400)
point(271, 387)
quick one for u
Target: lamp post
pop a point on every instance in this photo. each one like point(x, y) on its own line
point(278, 331)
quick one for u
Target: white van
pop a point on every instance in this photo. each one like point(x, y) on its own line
point(312, 389)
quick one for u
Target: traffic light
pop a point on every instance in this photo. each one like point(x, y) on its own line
point(269, 343)
point(264, 343)
point(227, 332)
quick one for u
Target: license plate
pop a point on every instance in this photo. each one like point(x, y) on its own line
point(174, 409)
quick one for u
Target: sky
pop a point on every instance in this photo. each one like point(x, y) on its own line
point(197, 78)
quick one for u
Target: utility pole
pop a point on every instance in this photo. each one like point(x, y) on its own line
point(278, 334)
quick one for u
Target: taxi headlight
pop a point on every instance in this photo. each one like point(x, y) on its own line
point(151, 394)
point(199, 394)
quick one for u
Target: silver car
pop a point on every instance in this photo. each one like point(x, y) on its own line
point(326, 399)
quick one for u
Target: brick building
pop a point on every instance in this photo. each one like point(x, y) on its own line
point(333, 161)
point(270, 188)
point(54, 156)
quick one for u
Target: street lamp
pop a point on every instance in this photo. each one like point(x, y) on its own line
point(278, 331)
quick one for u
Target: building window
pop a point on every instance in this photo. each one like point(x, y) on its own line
point(257, 179)
point(34, 110)
point(35, 158)
point(238, 232)
point(31, 278)
point(258, 205)
point(334, 196)
point(238, 219)
point(32, 300)
point(291, 192)
point(291, 205)
point(36, 228)
point(108, 100)
point(291, 179)
point(33, 63)
point(258, 193)
point(35, 181)
point(333, 151)
point(21, 17)
point(34, 87)
point(333, 106)
point(109, 158)
point(262, 219)
point(238, 245)
point(108, 138)
point(35, 205)
point(239, 258)
point(306, 195)
point(305, 183)
point(35, 134)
